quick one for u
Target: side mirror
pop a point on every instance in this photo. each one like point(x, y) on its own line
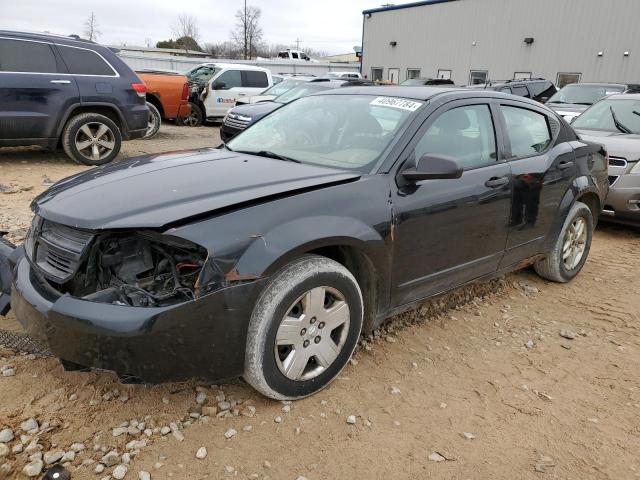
point(219, 86)
point(433, 167)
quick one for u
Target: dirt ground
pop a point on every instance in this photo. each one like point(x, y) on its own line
point(491, 388)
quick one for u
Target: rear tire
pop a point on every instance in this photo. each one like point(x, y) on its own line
point(155, 120)
point(194, 119)
point(571, 248)
point(91, 139)
point(304, 329)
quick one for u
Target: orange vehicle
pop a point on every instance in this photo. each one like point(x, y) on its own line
point(167, 97)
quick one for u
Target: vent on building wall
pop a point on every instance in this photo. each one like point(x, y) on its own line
point(393, 44)
point(529, 40)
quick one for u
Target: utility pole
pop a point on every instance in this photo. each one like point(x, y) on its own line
point(246, 30)
point(298, 43)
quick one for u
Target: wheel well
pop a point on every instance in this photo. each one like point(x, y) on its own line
point(362, 268)
point(592, 201)
point(102, 110)
point(155, 101)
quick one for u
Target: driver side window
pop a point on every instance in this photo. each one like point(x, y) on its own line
point(231, 79)
point(464, 133)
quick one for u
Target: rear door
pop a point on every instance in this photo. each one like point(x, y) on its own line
point(542, 173)
point(35, 91)
point(254, 82)
point(448, 232)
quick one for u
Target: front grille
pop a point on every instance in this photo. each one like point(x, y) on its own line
point(58, 250)
point(239, 123)
point(612, 180)
point(617, 162)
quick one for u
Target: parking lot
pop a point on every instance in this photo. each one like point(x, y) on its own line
point(528, 380)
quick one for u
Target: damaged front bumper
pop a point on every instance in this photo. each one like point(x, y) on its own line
point(203, 338)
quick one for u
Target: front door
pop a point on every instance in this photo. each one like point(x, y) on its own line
point(448, 232)
point(35, 90)
point(224, 90)
point(394, 75)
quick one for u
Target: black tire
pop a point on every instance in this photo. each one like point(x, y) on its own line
point(155, 120)
point(553, 267)
point(194, 119)
point(263, 371)
point(73, 133)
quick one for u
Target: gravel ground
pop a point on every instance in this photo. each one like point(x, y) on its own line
point(526, 380)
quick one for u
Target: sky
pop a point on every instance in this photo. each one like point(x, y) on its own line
point(333, 26)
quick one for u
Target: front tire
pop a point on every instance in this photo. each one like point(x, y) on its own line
point(91, 139)
point(304, 329)
point(194, 119)
point(571, 248)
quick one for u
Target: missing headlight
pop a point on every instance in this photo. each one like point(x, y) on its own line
point(140, 270)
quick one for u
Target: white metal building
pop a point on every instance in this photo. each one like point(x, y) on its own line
point(471, 41)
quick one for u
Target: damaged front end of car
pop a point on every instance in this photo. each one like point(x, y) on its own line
point(137, 269)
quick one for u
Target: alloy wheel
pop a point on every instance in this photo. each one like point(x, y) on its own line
point(312, 333)
point(575, 242)
point(95, 141)
point(191, 120)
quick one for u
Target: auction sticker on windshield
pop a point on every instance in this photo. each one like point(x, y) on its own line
point(400, 103)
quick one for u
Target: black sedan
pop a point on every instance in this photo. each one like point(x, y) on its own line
point(243, 116)
point(269, 257)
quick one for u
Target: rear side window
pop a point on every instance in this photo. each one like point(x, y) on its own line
point(27, 57)
point(84, 62)
point(537, 88)
point(520, 90)
point(254, 79)
point(528, 131)
point(505, 90)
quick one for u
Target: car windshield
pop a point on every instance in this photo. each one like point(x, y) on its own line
point(303, 90)
point(338, 131)
point(282, 87)
point(611, 115)
point(203, 72)
point(584, 94)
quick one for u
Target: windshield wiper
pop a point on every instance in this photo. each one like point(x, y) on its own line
point(269, 154)
point(619, 126)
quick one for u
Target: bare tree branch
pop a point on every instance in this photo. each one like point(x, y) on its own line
point(91, 28)
point(186, 26)
point(248, 33)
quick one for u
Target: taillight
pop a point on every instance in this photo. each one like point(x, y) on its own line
point(185, 91)
point(140, 89)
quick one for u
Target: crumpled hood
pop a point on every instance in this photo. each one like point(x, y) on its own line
point(160, 190)
point(617, 144)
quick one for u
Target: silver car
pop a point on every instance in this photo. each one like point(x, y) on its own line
point(571, 101)
point(615, 123)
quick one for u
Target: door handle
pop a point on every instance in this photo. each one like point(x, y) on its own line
point(566, 164)
point(61, 82)
point(497, 182)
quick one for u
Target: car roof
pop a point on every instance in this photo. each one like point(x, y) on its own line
point(235, 66)
point(47, 37)
point(414, 93)
point(597, 84)
point(624, 96)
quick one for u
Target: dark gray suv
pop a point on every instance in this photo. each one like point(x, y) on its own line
point(64, 91)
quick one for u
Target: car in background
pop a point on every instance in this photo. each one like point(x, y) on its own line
point(290, 54)
point(537, 89)
point(61, 90)
point(167, 98)
point(268, 258)
point(421, 82)
point(242, 117)
point(573, 99)
point(214, 88)
point(615, 123)
point(275, 91)
point(345, 75)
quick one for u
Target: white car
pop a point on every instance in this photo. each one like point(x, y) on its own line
point(225, 84)
point(345, 75)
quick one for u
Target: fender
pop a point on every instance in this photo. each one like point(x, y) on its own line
point(580, 187)
point(69, 111)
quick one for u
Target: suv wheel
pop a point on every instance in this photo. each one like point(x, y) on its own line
point(572, 247)
point(91, 139)
point(155, 120)
point(194, 119)
point(304, 329)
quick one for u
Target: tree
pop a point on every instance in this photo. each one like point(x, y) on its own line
point(248, 33)
point(91, 28)
point(186, 26)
